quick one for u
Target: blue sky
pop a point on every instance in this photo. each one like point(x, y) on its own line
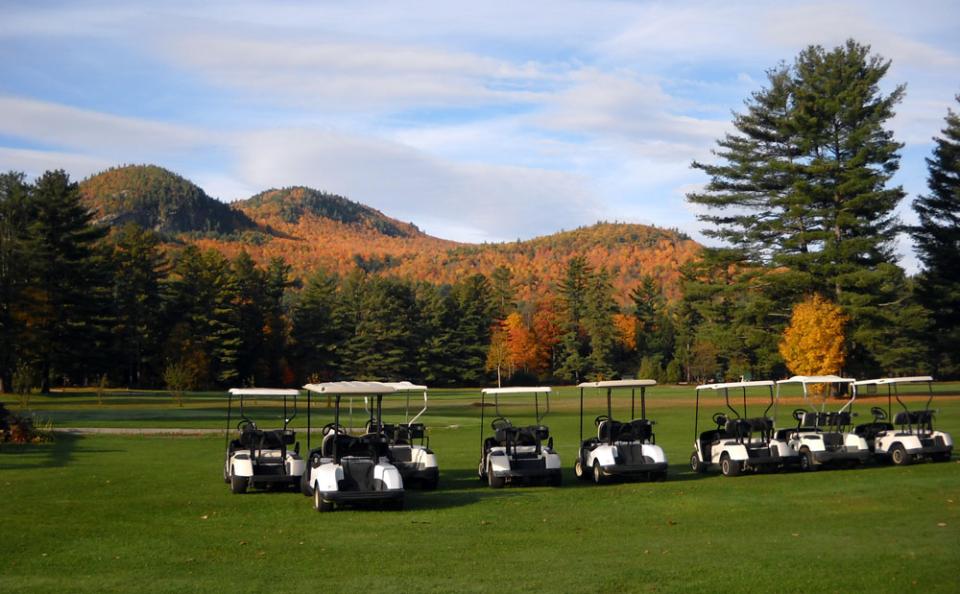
point(477, 121)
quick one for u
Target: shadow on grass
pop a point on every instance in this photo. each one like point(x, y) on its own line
point(42, 455)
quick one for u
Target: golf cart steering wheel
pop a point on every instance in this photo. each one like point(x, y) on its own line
point(798, 414)
point(331, 427)
point(369, 426)
point(499, 423)
point(246, 425)
point(600, 419)
point(878, 413)
point(719, 418)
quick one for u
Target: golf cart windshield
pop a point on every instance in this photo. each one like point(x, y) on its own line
point(409, 428)
point(336, 441)
point(821, 419)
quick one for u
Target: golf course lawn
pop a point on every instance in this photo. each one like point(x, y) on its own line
point(124, 513)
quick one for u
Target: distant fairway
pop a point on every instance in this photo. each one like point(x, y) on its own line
point(119, 513)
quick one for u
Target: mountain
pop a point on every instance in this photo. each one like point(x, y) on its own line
point(158, 199)
point(312, 229)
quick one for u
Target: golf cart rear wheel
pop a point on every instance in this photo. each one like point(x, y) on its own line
point(729, 467)
point(496, 482)
point(899, 455)
point(238, 484)
point(319, 503)
point(695, 464)
point(597, 473)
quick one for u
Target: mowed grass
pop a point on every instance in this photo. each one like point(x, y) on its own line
point(119, 513)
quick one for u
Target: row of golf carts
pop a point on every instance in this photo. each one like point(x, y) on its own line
point(741, 443)
point(375, 464)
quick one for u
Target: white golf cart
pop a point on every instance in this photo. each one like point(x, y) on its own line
point(620, 448)
point(348, 469)
point(517, 453)
point(739, 443)
point(822, 437)
point(257, 457)
point(916, 438)
point(408, 443)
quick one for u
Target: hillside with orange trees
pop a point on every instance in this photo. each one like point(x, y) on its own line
point(311, 229)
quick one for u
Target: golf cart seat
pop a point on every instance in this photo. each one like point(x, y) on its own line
point(914, 417)
point(609, 428)
point(869, 431)
point(531, 434)
point(406, 432)
point(636, 430)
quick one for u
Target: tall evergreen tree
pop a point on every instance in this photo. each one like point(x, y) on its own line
point(139, 268)
point(475, 316)
point(574, 346)
point(66, 280)
point(938, 246)
point(317, 329)
point(598, 322)
point(383, 345)
point(437, 336)
point(14, 262)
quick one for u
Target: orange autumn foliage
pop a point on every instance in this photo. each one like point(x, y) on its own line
point(813, 343)
point(626, 328)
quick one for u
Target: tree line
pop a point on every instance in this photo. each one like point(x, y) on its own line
point(799, 199)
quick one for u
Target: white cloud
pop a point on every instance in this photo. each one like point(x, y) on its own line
point(34, 162)
point(488, 201)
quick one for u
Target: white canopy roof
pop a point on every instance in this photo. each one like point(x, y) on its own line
point(817, 379)
point(406, 387)
point(894, 380)
point(518, 390)
point(367, 388)
point(263, 392)
point(735, 385)
point(626, 383)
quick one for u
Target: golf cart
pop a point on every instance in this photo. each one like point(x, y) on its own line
point(257, 457)
point(739, 443)
point(620, 448)
point(822, 437)
point(915, 439)
point(517, 453)
point(408, 443)
point(348, 469)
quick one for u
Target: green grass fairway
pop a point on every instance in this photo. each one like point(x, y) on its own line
point(127, 513)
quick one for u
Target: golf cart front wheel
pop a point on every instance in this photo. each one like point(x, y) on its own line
point(319, 503)
point(495, 481)
point(238, 484)
point(807, 463)
point(729, 467)
point(899, 455)
point(598, 477)
point(696, 465)
point(578, 470)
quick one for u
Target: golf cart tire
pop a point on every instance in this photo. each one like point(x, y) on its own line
point(226, 475)
point(495, 482)
point(305, 484)
point(729, 467)
point(578, 471)
point(899, 455)
point(598, 477)
point(696, 465)
point(807, 462)
point(238, 484)
point(319, 503)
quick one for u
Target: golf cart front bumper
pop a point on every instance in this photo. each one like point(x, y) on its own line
point(258, 479)
point(931, 450)
point(634, 469)
point(362, 496)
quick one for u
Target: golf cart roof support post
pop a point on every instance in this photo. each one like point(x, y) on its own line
point(696, 415)
point(726, 398)
point(226, 434)
point(336, 426)
point(581, 415)
point(745, 413)
point(483, 396)
point(308, 420)
point(536, 406)
point(609, 415)
point(767, 410)
point(633, 401)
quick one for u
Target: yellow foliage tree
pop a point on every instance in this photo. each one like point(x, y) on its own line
point(813, 343)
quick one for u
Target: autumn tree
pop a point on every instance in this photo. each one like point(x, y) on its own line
point(813, 343)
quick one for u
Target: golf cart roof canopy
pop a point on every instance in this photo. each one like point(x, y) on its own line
point(817, 379)
point(367, 388)
point(262, 392)
point(735, 385)
point(894, 380)
point(518, 390)
point(631, 383)
point(406, 387)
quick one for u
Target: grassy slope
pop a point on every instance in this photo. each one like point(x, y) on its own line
point(119, 513)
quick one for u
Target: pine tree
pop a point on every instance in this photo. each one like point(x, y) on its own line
point(383, 346)
point(600, 308)
point(938, 246)
point(573, 347)
point(437, 337)
point(66, 280)
point(475, 315)
point(139, 268)
point(14, 262)
point(318, 333)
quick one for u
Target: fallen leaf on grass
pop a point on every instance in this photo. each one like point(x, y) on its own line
point(942, 524)
point(204, 517)
point(243, 542)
